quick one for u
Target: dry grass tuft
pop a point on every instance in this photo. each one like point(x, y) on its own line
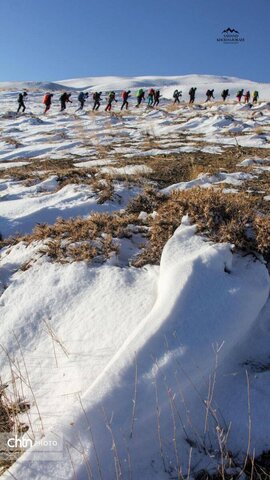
point(104, 188)
point(10, 425)
point(83, 239)
point(76, 176)
point(221, 217)
point(148, 201)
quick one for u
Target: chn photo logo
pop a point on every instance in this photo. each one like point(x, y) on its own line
point(230, 36)
point(43, 449)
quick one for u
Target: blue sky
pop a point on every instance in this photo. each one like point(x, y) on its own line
point(58, 39)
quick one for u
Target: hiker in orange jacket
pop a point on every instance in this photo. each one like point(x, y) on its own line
point(47, 101)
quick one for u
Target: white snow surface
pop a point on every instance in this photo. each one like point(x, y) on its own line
point(167, 322)
point(205, 180)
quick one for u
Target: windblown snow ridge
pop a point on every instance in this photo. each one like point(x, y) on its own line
point(207, 301)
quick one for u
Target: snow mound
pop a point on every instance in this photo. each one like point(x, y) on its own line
point(205, 180)
point(207, 300)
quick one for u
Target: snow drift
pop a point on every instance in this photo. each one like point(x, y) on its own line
point(206, 302)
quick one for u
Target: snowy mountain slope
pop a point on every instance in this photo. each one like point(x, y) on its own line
point(100, 141)
point(32, 86)
point(79, 330)
point(166, 84)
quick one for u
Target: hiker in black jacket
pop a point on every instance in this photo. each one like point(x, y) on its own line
point(176, 95)
point(97, 100)
point(209, 95)
point(225, 94)
point(21, 103)
point(156, 98)
point(192, 93)
point(64, 99)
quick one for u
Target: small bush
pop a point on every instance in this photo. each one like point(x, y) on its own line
point(148, 201)
point(104, 189)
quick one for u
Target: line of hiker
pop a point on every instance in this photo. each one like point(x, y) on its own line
point(247, 96)
point(153, 98)
point(224, 95)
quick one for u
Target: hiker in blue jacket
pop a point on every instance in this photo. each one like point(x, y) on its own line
point(82, 98)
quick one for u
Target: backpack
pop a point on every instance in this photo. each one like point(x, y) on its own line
point(191, 91)
point(139, 92)
point(151, 91)
point(81, 97)
point(46, 98)
point(124, 95)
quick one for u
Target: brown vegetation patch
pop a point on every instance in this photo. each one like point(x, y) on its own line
point(183, 167)
point(38, 169)
point(221, 217)
point(148, 201)
point(259, 184)
point(84, 239)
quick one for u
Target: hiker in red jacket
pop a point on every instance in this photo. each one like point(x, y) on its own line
point(247, 96)
point(150, 97)
point(125, 96)
point(47, 101)
point(239, 95)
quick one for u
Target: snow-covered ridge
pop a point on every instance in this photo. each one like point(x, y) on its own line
point(32, 86)
point(154, 81)
point(165, 83)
